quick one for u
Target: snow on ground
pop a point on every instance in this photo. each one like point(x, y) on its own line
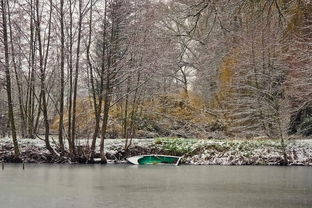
point(110, 145)
point(203, 152)
point(239, 152)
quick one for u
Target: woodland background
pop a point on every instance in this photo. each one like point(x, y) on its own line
point(128, 69)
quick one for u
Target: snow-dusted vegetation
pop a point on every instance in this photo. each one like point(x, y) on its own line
point(194, 151)
point(238, 152)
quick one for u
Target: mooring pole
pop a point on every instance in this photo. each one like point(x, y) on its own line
point(23, 165)
point(2, 164)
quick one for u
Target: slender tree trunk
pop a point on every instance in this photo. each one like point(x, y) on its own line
point(107, 100)
point(97, 107)
point(111, 74)
point(43, 76)
point(76, 77)
point(102, 73)
point(134, 110)
point(4, 5)
point(125, 122)
point(70, 143)
point(278, 120)
point(61, 113)
point(30, 102)
point(18, 83)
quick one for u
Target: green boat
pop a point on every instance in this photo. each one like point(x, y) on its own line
point(154, 159)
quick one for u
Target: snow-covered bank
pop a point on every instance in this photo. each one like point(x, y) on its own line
point(240, 152)
point(194, 151)
point(34, 151)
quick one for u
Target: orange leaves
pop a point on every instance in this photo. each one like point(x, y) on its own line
point(226, 73)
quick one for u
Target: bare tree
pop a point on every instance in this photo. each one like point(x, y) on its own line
point(62, 69)
point(6, 65)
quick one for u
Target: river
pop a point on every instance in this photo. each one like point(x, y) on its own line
point(126, 186)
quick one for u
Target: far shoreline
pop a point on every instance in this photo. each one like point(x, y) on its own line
point(211, 152)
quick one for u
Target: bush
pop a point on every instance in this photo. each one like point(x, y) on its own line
point(305, 128)
point(174, 146)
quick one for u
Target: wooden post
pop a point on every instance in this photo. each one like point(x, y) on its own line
point(2, 164)
point(23, 165)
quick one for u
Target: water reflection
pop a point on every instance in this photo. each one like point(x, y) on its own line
point(119, 186)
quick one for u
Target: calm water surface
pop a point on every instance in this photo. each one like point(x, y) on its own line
point(125, 186)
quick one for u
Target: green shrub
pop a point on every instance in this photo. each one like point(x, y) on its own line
point(176, 146)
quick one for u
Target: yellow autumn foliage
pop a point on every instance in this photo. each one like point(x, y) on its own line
point(84, 116)
point(178, 106)
point(226, 72)
point(300, 12)
point(175, 106)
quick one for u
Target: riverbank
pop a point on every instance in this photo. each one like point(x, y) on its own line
point(194, 151)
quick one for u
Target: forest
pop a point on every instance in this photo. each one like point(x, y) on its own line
point(94, 70)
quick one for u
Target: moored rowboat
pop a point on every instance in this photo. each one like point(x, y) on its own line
point(154, 159)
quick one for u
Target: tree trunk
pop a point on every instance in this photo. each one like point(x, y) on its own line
point(70, 66)
point(8, 78)
point(18, 83)
point(43, 77)
point(125, 122)
point(98, 106)
point(61, 113)
point(73, 137)
point(30, 101)
point(104, 123)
